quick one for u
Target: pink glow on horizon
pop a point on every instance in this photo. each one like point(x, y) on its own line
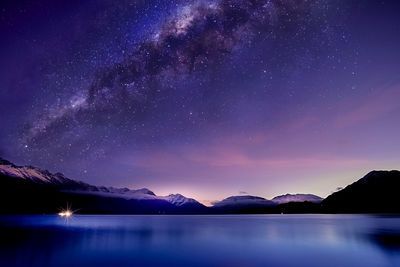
point(310, 153)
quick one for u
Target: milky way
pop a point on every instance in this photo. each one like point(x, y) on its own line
point(191, 95)
point(197, 38)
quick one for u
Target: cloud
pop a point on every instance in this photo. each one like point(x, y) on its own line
point(230, 156)
point(374, 106)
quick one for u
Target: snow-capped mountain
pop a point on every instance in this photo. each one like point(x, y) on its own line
point(28, 189)
point(34, 174)
point(297, 198)
point(244, 201)
point(64, 184)
point(179, 200)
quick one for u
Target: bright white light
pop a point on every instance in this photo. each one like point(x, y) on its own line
point(66, 213)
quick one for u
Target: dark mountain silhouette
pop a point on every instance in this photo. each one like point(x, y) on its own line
point(27, 189)
point(377, 192)
point(238, 204)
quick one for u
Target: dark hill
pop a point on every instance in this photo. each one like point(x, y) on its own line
point(377, 192)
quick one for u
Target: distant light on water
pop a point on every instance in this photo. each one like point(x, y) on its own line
point(66, 213)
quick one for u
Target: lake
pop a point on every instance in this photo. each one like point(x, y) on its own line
point(200, 240)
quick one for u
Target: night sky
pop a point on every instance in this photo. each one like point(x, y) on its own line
point(205, 98)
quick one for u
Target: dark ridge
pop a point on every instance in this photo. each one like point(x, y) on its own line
point(376, 192)
point(5, 162)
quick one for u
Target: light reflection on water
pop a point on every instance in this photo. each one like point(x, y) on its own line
point(200, 240)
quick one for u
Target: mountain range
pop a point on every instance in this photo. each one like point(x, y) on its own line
point(28, 189)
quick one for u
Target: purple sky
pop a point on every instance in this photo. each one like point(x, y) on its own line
point(205, 98)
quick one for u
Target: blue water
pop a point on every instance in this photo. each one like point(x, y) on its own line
point(220, 240)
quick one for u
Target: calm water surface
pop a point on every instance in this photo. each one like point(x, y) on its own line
point(199, 240)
